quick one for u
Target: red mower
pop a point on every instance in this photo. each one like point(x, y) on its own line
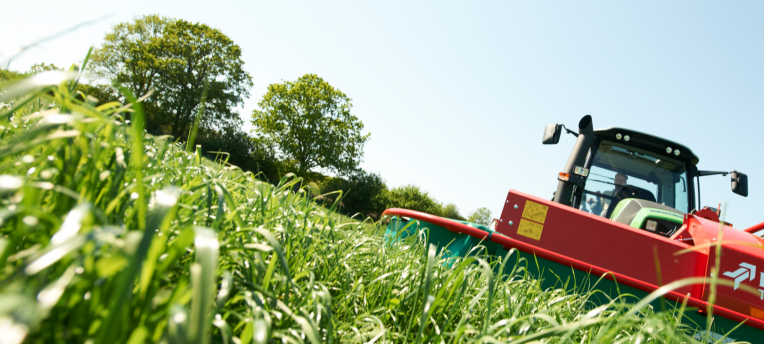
point(627, 207)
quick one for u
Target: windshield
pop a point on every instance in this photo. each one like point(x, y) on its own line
point(618, 171)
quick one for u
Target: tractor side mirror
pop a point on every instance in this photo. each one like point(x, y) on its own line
point(739, 183)
point(552, 134)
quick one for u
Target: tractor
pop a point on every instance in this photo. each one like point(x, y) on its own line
point(627, 213)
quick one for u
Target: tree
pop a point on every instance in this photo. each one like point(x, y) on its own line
point(104, 93)
point(243, 152)
point(38, 68)
point(309, 121)
point(9, 75)
point(450, 211)
point(362, 192)
point(175, 57)
point(480, 216)
point(411, 197)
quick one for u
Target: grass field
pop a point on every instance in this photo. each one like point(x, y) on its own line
point(109, 235)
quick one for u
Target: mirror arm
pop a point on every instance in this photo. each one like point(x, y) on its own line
point(570, 131)
point(739, 181)
point(711, 173)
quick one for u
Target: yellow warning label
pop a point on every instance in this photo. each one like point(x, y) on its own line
point(535, 212)
point(530, 229)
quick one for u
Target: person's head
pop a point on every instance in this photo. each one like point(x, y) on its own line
point(620, 179)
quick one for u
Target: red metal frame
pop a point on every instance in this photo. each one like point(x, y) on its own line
point(601, 242)
point(437, 220)
point(625, 280)
point(754, 228)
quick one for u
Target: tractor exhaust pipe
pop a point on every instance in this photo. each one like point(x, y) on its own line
point(564, 194)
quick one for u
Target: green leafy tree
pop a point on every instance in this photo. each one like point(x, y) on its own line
point(480, 216)
point(309, 121)
point(450, 211)
point(38, 68)
point(235, 146)
point(7, 75)
point(103, 93)
point(362, 193)
point(175, 57)
point(411, 197)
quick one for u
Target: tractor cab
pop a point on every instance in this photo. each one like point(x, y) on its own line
point(631, 177)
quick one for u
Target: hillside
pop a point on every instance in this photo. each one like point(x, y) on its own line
point(111, 235)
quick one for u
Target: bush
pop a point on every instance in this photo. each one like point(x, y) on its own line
point(9, 75)
point(243, 151)
point(104, 93)
point(412, 197)
point(366, 193)
point(362, 192)
point(450, 211)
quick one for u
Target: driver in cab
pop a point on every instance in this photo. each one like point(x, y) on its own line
point(597, 205)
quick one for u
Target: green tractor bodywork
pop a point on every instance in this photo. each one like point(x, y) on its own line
point(650, 216)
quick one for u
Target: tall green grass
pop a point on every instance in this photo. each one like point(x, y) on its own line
point(111, 235)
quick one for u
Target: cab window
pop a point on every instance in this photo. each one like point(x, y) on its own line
point(618, 171)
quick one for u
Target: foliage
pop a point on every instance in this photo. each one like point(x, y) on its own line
point(411, 197)
point(9, 75)
point(38, 68)
point(103, 94)
point(480, 216)
point(450, 211)
point(309, 121)
point(234, 146)
point(136, 253)
point(175, 57)
point(361, 193)
point(367, 194)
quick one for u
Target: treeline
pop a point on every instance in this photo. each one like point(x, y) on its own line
point(367, 194)
point(190, 79)
point(242, 151)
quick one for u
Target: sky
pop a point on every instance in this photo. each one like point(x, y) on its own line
point(456, 94)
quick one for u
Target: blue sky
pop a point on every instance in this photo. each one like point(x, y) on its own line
point(456, 95)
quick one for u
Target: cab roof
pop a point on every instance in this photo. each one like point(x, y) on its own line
point(648, 142)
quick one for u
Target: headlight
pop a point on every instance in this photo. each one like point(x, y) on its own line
point(651, 225)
